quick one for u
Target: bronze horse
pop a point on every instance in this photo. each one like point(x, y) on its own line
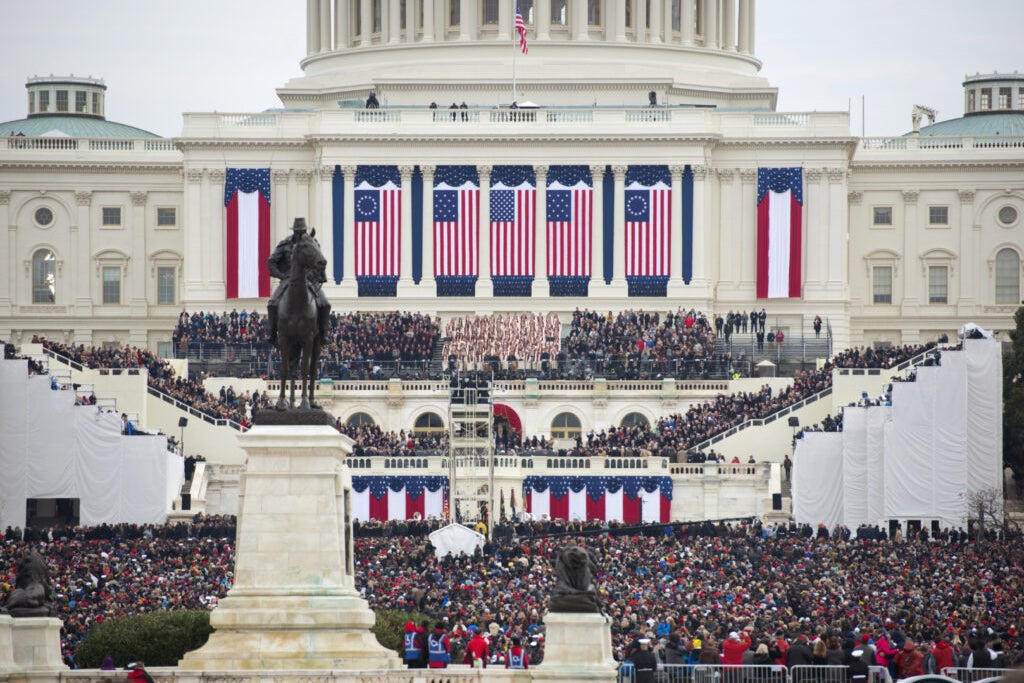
point(298, 334)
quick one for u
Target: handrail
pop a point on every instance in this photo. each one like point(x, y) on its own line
point(760, 421)
point(195, 412)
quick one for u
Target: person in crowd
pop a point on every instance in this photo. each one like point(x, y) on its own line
point(517, 657)
point(439, 648)
point(908, 661)
point(477, 652)
point(644, 661)
point(857, 670)
point(137, 672)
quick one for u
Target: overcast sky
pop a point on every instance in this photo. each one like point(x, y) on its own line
point(160, 59)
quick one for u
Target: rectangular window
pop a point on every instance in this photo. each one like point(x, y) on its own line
point(489, 12)
point(96, 103)
point(111, 215)
point(986, 99)
point(1020, 99)
point(938, 284)
point(881, 283)
point(31, 103)
point(594, 12)
point(559, 12)
point(166, 216)
point(938, 215)
point(882, 215)
point(1005, 98)
point(970, 101)
point(44, 101)
point(62, 100)
point(165, 349)
point(81, 102)
point(111, 284)
point(165, 286)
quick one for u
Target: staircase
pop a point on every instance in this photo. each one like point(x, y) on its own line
point(437, 359)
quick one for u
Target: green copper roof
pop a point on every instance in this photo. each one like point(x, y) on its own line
point(1009, 125)
point(72, 127)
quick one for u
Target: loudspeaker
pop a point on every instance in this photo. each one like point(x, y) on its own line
point(794, 421)
point(776, 501)
point(183, 422)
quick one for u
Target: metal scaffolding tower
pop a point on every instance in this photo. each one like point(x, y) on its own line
point(471, 455)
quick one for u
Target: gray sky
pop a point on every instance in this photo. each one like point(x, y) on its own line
point(160, 59)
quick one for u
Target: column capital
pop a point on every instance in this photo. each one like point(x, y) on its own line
point(620, 171)
point(427, 171)
point(5, 197)
point(83, 197)
point(216, 175)
point(699, 172)
point(349, 172)
point(139, 198)
point(405, 172)
point(280, 175)
point(325, 172)
point(484, 170)
point(596, 171)
point(303, 175)
point(725, 175)
point(836, 175)
point(966, 196)
point(854, 197)
point(813, 175)
point(541, 170)
point(194, 175)
point(910, 196)
point(677, 171)
point(748, 175)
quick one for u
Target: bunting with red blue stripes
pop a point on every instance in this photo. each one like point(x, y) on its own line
point(456, 229)
point(381, 498)
point(631, 500)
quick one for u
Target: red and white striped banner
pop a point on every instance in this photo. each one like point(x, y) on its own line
point(378, 229)
point(513, 223)
point(648, 230)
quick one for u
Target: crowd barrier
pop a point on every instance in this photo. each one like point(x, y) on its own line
point(965, 675)
point(758, 673)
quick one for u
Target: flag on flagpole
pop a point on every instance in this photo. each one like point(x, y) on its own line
point(247, 244)
point(780, 203)
point(521, 30)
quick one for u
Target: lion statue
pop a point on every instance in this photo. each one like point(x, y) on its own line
point(575, 590)
point(31, 596)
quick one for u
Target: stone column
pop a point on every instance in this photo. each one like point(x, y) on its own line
point(428, 230)
point(542, 18)
point(911, 279)
point(747, 276)
point(655, 35)
point(675, 280)
point(484, 286)
point(136, 269)
point(325, 26)
point(540, 242)
point(8, 285)
point(640, 22)
point(215, 249)
point(970, 285)
point(817, 233)
point(729, 25)
point(687, 19)
point(280, 226)
point(341, 25)
point(349, 286)
point(729, 229)
point(365, 22)
point(193, 224)
point(668, 36)
point(405, 282)
point(578, 19)
point(700, 227)
point(410, 21)
point(324, 220)
point(312, 27)
point(711, 25)
point(467, 27)
point(392, 21)
point(506, 13)
point(597, 226)
point(838, 247)
point(751, 25)
point(619, 261)
point(428, 21)
point(617, 29)
point(80, 268)
point(744, 30)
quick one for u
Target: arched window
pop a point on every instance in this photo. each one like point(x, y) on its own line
point(1007, 277)
point(428, 423)
point(44, 277)
point(359, 419)
point(635, 419)
point(565, 426)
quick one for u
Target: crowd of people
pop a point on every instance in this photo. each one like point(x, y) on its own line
point(512, 338)
point(689, 585)
point(371, 440)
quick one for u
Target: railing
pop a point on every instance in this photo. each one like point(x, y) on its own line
point(752, 673)
point(758, 422)
point(48, 144)
point(195, 412)
point(972, 675)
point(940, 143)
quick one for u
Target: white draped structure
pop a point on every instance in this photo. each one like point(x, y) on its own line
point(52, 448)
point(920, 459)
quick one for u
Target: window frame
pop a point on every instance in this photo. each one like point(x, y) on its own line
point(57, 101)
point(1015, 277)
point(36, 263)
point(935, 299)
point(161, 300)
point(103, 217)
point(932, 223)
point(877, 297)
point(875, 223)
point(360, 418)
point(633, 418)
point(566, 430)
point(81, 102)
point(430, 428)
point(174, 216)
point(104, 270)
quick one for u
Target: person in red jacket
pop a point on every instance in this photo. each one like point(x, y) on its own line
point(780, 647)
point(517, 657)
point(732, 655)
point(908, 661)
point(476, 651)
point(945, 658)
point(137, 673)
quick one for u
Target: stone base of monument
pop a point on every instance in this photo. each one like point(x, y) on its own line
point(293, 605)
point(34, 644)
point(6, 644)
point(577, 646)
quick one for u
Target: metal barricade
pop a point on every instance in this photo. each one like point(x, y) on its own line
point(965, 675)
point(726, 673)
point(820, 674)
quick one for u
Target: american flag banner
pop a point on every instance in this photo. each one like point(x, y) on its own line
point(569, 221)
point(380, 498)
point(513, 220)
point(456, 221)
point(648, 208)
point(247, 244)
point(780, 202)
point(521, 31)
point(631, 500)
point(378, 221)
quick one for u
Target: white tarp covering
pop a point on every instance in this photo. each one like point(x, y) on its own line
point(50, 448)
point(909, 477)
point(949, 439)
point(879, 419)
point(984, 414)
point(455, 539)
point(818, 479)
point(855, 466)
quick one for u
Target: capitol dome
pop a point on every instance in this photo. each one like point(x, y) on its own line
point(993, 106)
point(69, 107)
point(580, 53)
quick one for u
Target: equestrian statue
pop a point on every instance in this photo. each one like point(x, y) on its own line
point(298, 312)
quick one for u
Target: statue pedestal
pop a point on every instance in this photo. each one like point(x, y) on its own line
point(6, 644)
point(35, 644)
point(293, 605)
point(577, 646)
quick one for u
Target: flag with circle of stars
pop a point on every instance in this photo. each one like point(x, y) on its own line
point(378, 221)
point(648, 217)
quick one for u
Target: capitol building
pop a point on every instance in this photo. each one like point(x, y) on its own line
point(458, 160)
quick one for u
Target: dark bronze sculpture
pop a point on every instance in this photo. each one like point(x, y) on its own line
point(298, 312)
point(575, 587)
point(31, 596)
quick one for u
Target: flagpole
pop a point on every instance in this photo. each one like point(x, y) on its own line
point(515, 46)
